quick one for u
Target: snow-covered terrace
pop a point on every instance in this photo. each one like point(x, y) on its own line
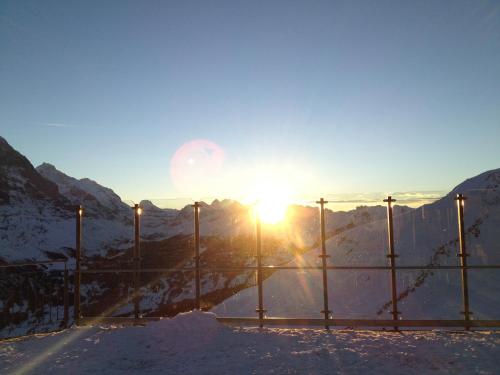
point(195, 343)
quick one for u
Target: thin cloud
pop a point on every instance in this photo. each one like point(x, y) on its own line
point(409, 198)
point(58, 125)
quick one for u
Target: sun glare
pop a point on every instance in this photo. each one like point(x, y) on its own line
point(270, 201)
point(271, 211)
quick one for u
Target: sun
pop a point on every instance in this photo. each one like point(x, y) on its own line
point(271, 211)
point(270, 190)
point(270, 201)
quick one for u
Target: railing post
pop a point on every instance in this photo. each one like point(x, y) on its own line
point(196, 206)
point(392, 257)
point(260, 309)
point(66, 297)
point(323, 257)
point(463, 259)
point(137, 259)
point(78, 256)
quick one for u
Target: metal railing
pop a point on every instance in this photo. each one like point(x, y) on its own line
point(327, 321)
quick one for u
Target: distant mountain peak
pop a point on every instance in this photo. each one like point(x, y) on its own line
point(97, 199)
point(52, 173)
point(148, 205)
point(225, 204)
point(46, 165)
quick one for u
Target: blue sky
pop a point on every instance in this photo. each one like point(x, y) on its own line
point(323, 96)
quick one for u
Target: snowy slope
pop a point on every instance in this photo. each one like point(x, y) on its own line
point(33, 214)
point(97, 200)
point(425, 236)
point(195, 343)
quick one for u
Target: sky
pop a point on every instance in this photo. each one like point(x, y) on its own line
point(167, 99)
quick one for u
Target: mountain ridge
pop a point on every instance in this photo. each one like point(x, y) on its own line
point(39, 224)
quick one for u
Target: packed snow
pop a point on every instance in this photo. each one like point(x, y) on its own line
point(195, 343)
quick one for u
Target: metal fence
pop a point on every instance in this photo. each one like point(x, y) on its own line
point(34, 292)
point(327, 321)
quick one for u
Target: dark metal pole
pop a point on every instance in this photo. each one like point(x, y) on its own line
point(78, 256)
point(463, 258)
point(66, 297)
point(197, 251)
point(323, 257)
point(260, 310)
point(137, 259)
point(392, 257)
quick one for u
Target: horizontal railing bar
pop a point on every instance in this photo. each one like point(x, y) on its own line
point(33, 263)
point(360, 322)
point(312, 322)
point(88, 320)
point(142, 270)
point(242, 268)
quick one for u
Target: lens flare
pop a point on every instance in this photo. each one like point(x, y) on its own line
point(196, 167)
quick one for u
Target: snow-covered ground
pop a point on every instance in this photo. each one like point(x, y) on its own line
point(195, 343)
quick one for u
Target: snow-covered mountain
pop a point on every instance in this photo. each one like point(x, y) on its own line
point(37, 216)
point(98, 200)
point(34, 215)
point(37, 209)
point(424, 236)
